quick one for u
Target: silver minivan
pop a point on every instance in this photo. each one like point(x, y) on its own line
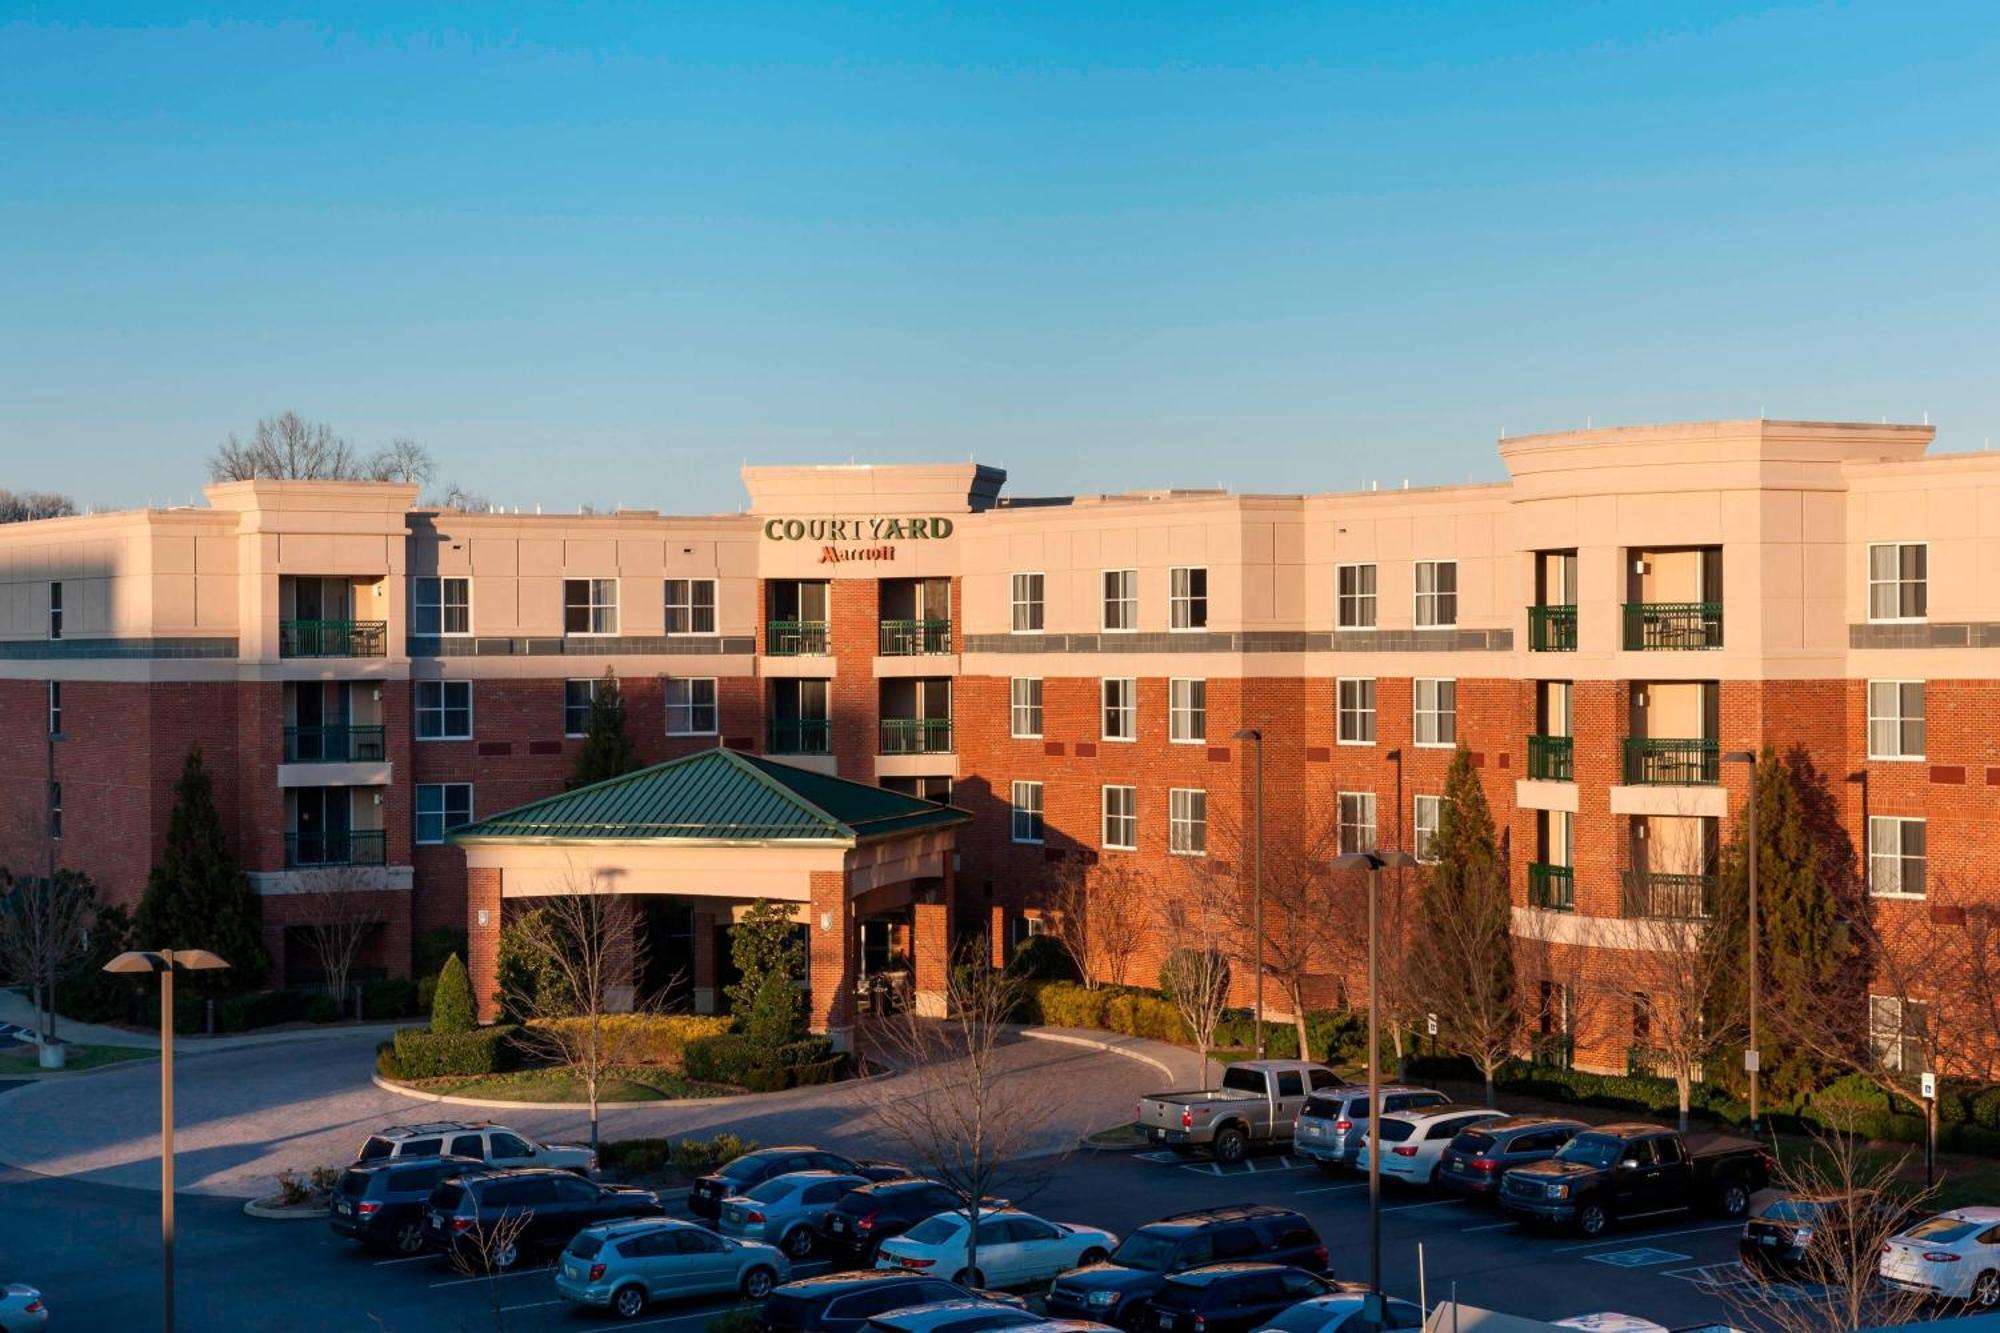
point(624, 1266)
point(1333, 1123)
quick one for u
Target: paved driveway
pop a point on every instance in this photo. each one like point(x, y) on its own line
point(242, 1116)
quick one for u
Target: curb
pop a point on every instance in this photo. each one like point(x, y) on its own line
point(58, 1075)
point(1113, 1048)
point(737, 1099)
point(273, 1213)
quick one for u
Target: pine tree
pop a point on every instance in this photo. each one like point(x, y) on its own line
point(769, 956)
point(451, 1004)
point(607, 751)
point(197, 897)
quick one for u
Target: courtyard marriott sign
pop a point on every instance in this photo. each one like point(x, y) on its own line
point(883, 533)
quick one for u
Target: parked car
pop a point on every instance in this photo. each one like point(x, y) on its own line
point(1636, 1170)
point(1117, 1289)
point(1015, 1248)
point(1332, 1123)
point(1954, 1256)
point(705, 1196)
point(845, 1302)
point(1257, 1103)
point(495, 1145)
point(960, 1316)
point(625, 1266)
point(1804, 1237)
point(785, 1210)
point(1413, 1142)
point(1475, 1162)
point(1330, 1313)
point(1229, 1298)
point(382, 1204)
point(21, 1307)
point(866, 1216)
point(465, 1214)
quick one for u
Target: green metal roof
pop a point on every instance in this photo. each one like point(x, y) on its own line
point(717, 796)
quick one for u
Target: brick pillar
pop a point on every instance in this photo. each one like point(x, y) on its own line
point(482, 933)
point(930, 956)
point(706, 1000)
point(831, 961)
point(621, 958)
point(996, 930)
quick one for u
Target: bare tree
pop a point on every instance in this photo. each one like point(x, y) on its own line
point(464, 499)
point(289, 448)
point(1466, 976)
point(962, 1117)
point(1299, 885)
point(1097, 906)
point(44, 928)
point(1196, 973)
point(341, 906)
point(403, 460)
point(1677, 975)
point(26, 506)
point(488, 1251)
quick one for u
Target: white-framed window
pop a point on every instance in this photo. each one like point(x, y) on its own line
point(1898, 581)
point(1357, 821)
point(1121, 600)
point(442, 807)
point(1437, 594)
point(1026, 824)
point(1121, 818)
point(1121, 709)
point(1187, 598)
point(444, 710)
point(1436, 712)
point(578, 696)
point(1896, 856)
point(1187, 821)
point(1896, 719)
point(1356, 699)
point(1028, 603)
point(1024, 697)
point(441, 607)
point(1897, 1031)
point(55, 708)
point(690, 606)
point(55, 611)
point(590, 606)
point(1187, 710)
point(691, 706)
point(1354, 597)
point(1427, 812)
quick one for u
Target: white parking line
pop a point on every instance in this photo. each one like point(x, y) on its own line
point(519, 1272)
point(531, 1305)
point(407, 1259)
point(1331, 1189)
point(1435, 1203)
point(1490, 1226)
point(1629, 1241)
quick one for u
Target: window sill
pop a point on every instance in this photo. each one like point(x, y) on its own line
point(693, 733)
point(1187, 740)
point(1119, 740)
point(1898, 758)
point(1358, 745)
point(1027, 842)
point(1435, 745)
point(1900, 897)
point(1114, 847)
point(1024, 735)
point(429, 740)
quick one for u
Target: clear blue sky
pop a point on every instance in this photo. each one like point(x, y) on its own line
point(594, 252)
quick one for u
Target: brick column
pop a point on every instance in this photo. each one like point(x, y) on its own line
point(482, 899)
point(930, 958)
point(706, 998)
point(996, 930)
point(831, 961)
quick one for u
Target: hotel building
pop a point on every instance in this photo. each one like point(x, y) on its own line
point(365, 676)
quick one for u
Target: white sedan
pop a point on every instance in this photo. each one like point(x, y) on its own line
point(1954, 1256)
point(1015, 1248)
point(1416, 1140)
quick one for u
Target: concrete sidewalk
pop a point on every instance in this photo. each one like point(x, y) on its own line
point(17, 1009)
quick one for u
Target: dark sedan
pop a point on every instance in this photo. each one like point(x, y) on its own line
point(491, 1220)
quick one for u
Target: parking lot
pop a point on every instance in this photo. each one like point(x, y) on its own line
point(93, 1250)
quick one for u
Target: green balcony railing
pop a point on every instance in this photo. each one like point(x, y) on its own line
point(1658, 895)
point(1552, 758)
point(1552, 629)
point(915, 638)
point(795, 638)
point(801, 735)
point(334, 745)
point(916, 735)
point(350, 847)
point(1652, 761)
point(1669, 626)
point(333, 638)
point(1551, 887)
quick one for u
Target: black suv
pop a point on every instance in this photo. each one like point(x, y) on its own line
point(845, 1302)
point(869, 1215)
point(1116, 1290)
point(754, 1168)
point(383, 1204)
point(471, 1215)
point(1230, 1298)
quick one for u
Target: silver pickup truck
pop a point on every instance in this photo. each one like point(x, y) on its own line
point(1255, 1104)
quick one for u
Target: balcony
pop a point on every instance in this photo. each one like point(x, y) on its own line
point(1552, 629)
point(801, 735)
point(795, 638)
point(335, 745)
point(1658, 896)
point(1672, 626)
point(333, 638)
point(1551, 887)
point(915, 638)
point(1652, 761)
point(356, 847)
point(916, 735)
point(1551, 758)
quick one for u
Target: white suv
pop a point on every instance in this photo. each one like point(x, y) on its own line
point(1415, 1140)
point(494, 1145)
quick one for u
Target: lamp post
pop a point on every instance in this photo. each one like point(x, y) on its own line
point(1374, 863)
point(1751, 1058)
point(1256, 737)
point(163, 962)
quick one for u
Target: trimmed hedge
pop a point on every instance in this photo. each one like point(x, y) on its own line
point(421, 1053)
point(654, 1039)
point(388, 999)
point(734, 1059)
point(692, 1157)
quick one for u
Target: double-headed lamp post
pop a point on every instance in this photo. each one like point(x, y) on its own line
point(1751, 1057)
point(163, 962)
point(1374, 863)
point(1256, 738)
